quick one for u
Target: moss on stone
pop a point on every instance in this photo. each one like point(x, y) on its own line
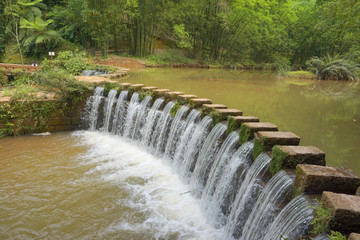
point(296, 191)
point(259, 147)
point(245, 132)
point(216, 116)
point(231, 125)
point(276, 163)
point(143, 94)
point(323, 216)
point(131, 91)
point(109, 86)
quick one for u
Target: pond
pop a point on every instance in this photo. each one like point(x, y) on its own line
point(325, 114)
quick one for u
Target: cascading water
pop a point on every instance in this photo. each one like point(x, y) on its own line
point(108, 107)
point(120, 113)
point(232, 190)
point(293, 220)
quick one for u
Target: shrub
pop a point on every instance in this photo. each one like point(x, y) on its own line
point(333, 68)
point(169, 57)
point(73, 62)
point(323, 215)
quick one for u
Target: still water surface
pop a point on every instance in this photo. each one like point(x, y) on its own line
point(91, 185)
point(325, 114)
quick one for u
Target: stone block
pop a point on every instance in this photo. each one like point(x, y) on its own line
point(247, 130)
point(265, 140)
point(229, 112)
point(214, 106)
point(172, 95)
point(354, 236)
point(161, 92)
point(149, 88)
point(345, 211)
point(290, 156)
point(186, 97)
point(125, 85)
point(316, 179)
point(136, 86)
point(198, 102)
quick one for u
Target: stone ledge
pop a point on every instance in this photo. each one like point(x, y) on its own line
point(125, 85)
point(186, 96)
point(354, 236)
point(345, 211)
point(149, 88)
point(243, 119)
point(248, 129)
point(265, 140)
point(316, 179)
point(290, 156)
point(198, 102)
point(161, 92)
point(172, 95)
point(137, 86)
point(229, 112)
point(214, 106)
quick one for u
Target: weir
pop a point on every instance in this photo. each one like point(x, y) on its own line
point(237, 191)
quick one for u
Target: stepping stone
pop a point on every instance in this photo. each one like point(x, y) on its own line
point(354, 236)
point(125, 85)
point(161, 92)
point(215, 106)
point(290, 156)
point(248, 129)
point(186, 97)
point(198, 102)
point(265, 140)
point(137, 86)
point(229, 112)
point(316, 179)
point(172, 95)
point(149, 88)
point(345, 211)
point(242, 119)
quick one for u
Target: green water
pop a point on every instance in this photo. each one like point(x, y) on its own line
point(325, 114)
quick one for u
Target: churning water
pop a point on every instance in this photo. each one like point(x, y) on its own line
point(140, 173)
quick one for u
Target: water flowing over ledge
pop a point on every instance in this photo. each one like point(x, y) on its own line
point(237, 197)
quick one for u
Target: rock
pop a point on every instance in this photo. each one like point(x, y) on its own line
point(125, 85)
point(242, 119)
point(354, 236)
point(316, 179)
point(230, 112)
point(137, 86)
point(149, 88)
point(214, 106)
point(290, 156)
point(198, 102)
point(161, 92)
point(186, 96)
point(345, 211)
point(172, 95)
point(247, 130)
point(265, 140)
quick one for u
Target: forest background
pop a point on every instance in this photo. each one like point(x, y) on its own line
point(278, 34)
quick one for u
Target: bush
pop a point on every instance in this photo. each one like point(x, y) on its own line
point(333, 68)
point(73, 62)
point(169, 57)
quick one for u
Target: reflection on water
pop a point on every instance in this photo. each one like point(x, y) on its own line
point(325, 114)
point(90, 185)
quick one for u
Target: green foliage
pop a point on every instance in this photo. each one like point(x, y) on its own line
point(183, 37)
point(231, 125)
point(216, 116)
point(109, 86)
point(143, 94)
point(336, 236)
point(245, 132)
point(3, 78)
point(22, 92)
point(131, 91)
point(168, 57)
point(175, 108)
point(296, 191)
point(276, 163)
point(323, 215)
point(73, 62)
point(259, 147)
point(333, 68)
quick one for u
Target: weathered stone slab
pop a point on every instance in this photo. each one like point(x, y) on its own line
point(198, 102)
point(186, 96)
point(242, 119)
point(290, 156)
point(354, 236)
point(215, 106)
point(149, 88)
point(345, 211)
point(136, 86)
point(230, 112)
point(125, 85)
point(316, 179)
point(161, 92)
point(172, 95)
point(247, 130)
point(265, 140)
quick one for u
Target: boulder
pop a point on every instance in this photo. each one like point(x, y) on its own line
point(354, 236)
point(316, 179)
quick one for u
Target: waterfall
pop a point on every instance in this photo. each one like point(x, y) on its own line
point(246, 196)
point(236, 194)
point(205, 159)
point(193, 146)
point(226, 151)
point(293, 220)
point(120, 111)
point(94, 102)
point(175, 128)
point(232, 176)
point(153, 114)
point(108, 107)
